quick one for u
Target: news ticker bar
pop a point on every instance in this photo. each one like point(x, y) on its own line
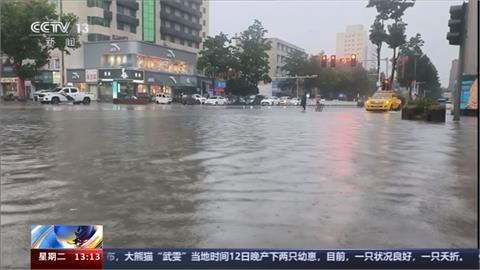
point(254, 259)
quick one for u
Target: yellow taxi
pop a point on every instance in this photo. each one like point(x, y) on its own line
point(383, 100)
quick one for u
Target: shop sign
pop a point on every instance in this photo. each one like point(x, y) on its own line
point(56, 78)
point(91, 75)
point(8, 80)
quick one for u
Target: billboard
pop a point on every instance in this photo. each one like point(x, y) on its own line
point(469, 92)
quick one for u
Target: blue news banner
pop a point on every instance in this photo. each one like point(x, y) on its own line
point(290, 259)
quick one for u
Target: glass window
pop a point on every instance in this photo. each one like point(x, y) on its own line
point(133, 13)
point(133, 28)
point(204, 10)
point(176, 27)
point(168, 24)
point(204, 22)
point(186, 30)
point(73, 90)
point(177, 13)
point(120, 26)
point(172, 39)
point(203, 34)
point(120, 9)
point(168, 10)
point(182, 41)
point(197, 45)
point(190, 44)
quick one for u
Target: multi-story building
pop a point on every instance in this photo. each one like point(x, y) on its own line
point(278, 54)
point(355, 41)
point(164, 37)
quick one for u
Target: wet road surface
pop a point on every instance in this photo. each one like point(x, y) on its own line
point(192, 176)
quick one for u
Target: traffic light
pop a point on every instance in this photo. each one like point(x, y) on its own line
point(332, 60)
point(456, 24)
point(353, 60)
point(324, 60)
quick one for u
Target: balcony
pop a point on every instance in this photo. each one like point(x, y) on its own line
point(127, 19)
point(180, 34)
point(128, 3)
point(180, 20)
point(182, 7)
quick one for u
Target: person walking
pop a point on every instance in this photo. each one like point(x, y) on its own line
point(303, 102)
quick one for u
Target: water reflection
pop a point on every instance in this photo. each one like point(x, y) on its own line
point(191, 176)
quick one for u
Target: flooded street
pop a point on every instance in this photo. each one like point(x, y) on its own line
point(196, 176)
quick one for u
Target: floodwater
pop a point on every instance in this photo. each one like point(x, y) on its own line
point(196, 176)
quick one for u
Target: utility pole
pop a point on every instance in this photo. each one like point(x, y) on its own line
point(62, 72)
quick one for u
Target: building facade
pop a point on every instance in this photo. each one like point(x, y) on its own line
point(355, 41)
point(278, 54)
point(175, 25)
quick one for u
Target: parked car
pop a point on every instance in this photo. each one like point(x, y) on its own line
point(294, 102)
point(239, 101)
point(270, 101)
point(66, 95)
point(162, 98)
point(216, 101)
point(199, 99)
point(284, 101)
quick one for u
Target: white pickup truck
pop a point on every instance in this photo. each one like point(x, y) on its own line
point(66, 95)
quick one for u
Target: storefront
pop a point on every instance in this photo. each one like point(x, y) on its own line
point(47, 79)
point(139, 69)
point(8, 86)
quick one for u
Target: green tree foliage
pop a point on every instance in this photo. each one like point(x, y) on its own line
point(377, 37)
point(296, 64)
point(426, 72)
point(240, 87)
point(388, 10)
point(330, 81)
point(396, 37)
point(217, 56)
point(252, 54)
point(26, 51)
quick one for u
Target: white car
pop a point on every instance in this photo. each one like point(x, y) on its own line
point(66, 95)
point(284, 101)
point(270, 101)
point(294, 102)
point(215, 101)
point(199, 99)
point(161, 98)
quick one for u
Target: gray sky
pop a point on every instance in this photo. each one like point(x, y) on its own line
point(313, 24)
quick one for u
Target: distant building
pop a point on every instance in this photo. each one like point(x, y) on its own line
point(355, 41)
point(278, 54)
point(164, 37)
point(277, 57)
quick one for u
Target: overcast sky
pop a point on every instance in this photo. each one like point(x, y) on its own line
point(313, 24)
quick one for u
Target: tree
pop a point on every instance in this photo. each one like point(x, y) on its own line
point(295, 65)
point(417, 66)
point(28, 52)
point(377, 37)
point(216, 58)
point(396, 37)
point(390, 10)
point(252, 54)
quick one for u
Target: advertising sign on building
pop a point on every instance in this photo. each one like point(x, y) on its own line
point(219, 84)
point(469, 93)
point(91, 75)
